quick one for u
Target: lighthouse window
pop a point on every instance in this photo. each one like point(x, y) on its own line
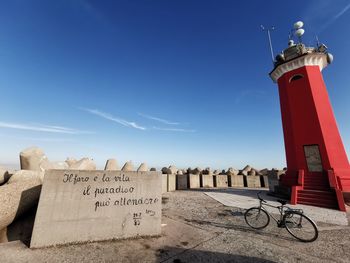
point(295, 77)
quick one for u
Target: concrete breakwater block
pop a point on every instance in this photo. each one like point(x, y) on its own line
point(253, 181)
point(181, 182)
point(273, 178)
point(236, 181)
point(272, 183)
point(171, 182)
point(19, 195)
point(207, 180)
point(168, 183)
point(80, 206)
point(193, 181)
point(264, 179)
point(221, 180)
point(164, 183)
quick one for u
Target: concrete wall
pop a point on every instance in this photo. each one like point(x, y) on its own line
point(181, 181)
point(164, 183)
point(273, 179)
point(79, 206)
point(171, 182)
point(272, 184)
point(236, 181)
point(266, 181)
point(207, 180)
point(193, 180)
point(221, 180)
point(253, 181)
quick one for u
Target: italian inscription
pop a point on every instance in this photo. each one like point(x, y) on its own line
point(113, 194)
point(97, 205)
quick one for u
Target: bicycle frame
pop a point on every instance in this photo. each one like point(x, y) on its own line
point(293, 220)
point(279, 208)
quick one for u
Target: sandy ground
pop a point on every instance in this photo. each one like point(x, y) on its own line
point(197, 228)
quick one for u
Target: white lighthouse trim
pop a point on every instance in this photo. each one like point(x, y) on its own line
point(311, 59)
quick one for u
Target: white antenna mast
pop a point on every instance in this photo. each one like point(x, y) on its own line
point(317, 41)
point(270, 43)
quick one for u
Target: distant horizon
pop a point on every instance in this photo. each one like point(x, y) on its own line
point(161, 82)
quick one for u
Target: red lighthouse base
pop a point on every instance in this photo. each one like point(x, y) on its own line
point(318, 168)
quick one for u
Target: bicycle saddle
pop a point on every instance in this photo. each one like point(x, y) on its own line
point(282, 202)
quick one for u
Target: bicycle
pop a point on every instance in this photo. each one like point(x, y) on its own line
point(297, 224)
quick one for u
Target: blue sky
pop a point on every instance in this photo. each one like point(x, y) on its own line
point(162, 82)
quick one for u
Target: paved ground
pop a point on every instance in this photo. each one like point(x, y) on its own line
point(197, 228)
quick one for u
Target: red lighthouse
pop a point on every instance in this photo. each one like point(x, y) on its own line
point(318, 171)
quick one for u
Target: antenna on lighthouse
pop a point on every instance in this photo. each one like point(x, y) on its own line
point(317, 41)
point(269, 37)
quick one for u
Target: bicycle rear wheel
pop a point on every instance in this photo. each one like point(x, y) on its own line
point(257, 218)
point(301, 227)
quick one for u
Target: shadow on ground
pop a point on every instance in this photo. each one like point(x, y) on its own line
point(239, 191)
point(180, 255)
point(242, 227)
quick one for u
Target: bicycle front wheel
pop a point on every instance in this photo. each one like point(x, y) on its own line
point(257, 218)
point(301, 227)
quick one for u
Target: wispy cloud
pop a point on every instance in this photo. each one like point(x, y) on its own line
point(326, 13)
point(158, 119)
point(41, 128)
point(110, 117)
point(335, 17)
point(173, 129)
point(342, 12)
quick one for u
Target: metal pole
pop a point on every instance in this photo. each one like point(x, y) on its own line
point(318, 41)
point(269, 35)
point(270, 42)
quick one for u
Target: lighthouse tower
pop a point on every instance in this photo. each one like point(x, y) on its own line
point(318, 171)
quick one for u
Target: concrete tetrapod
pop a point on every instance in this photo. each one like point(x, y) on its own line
point(172, 169)
point(23, 175)
point(206, 171)
point(245, 170)
point(128, 167)
point(166, 170)
point(4, 175)
point(142, 168)
point(252, 172)
point(196, 171)
point(231, 171)
point(111, 165)
point(32, 158)
point(19, 195)
point(83, 164)
point(70, 161)
point(59, 165)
